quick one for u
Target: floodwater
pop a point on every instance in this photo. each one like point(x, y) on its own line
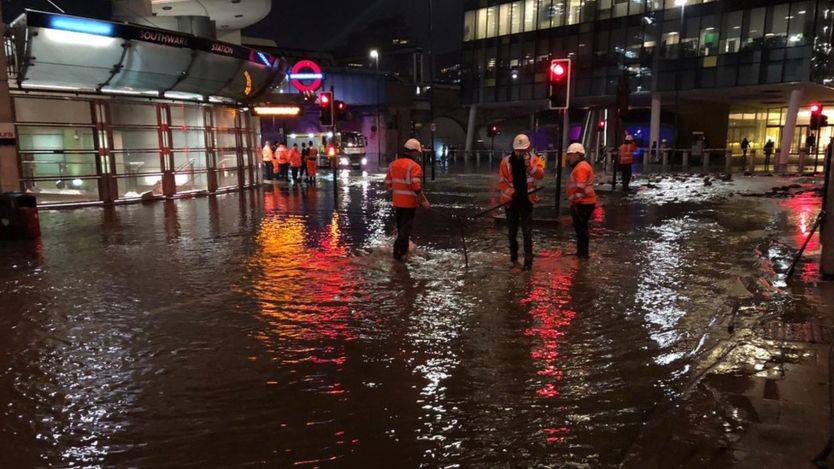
point(267, 328)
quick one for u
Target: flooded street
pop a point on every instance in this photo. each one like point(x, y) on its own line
point(267, 328)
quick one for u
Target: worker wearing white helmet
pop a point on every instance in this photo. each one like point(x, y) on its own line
point(404, 180)
point(583, 199)
point(627, 150)
point(517, 175)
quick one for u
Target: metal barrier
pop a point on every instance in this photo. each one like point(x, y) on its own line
point(665, 160)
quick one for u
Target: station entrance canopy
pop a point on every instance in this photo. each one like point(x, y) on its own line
point(69, 53)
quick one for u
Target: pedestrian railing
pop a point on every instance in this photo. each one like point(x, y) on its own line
point(668, 160)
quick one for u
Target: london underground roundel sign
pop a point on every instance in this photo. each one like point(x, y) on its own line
point(306, 75)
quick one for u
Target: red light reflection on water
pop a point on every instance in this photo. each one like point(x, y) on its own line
point(803, 210)
point(549, 301)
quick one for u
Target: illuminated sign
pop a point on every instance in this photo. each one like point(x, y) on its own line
point(163, 38)
point(247, 88)
point(81, 25)
point(306, 76)
point(278, 111)
point(224, 49)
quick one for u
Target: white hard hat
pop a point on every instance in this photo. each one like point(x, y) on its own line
point(576, 148)
point(413, 144)
point(629, 138)
point(521, 142)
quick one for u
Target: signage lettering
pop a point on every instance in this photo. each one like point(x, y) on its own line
point(162, 38)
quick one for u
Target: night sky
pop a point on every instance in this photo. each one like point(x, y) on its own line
point(320, 24)
point(308, 24)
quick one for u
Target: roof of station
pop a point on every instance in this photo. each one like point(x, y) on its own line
point(69, 53)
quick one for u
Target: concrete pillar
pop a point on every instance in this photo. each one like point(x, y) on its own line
point(654, 130)
point(471, 127)
point(787, 132)
point(9, 168)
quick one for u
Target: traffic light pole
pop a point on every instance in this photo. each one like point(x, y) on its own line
point(335, 161)
point(559, 162)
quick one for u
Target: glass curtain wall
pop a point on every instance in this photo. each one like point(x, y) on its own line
point(699, 49)
point(59, 151)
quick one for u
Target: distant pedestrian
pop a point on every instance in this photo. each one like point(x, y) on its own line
point(295, 162)
point(304, 152)
point(583, 199)
point(404, 180)
point(517, 179)
point(768, 151)
point(810, 141)
point(267, 155)
point(626, 156)
point(312, 162)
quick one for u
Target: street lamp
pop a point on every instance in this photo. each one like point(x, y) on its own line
point(375, 57)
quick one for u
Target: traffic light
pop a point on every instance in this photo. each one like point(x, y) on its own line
point(601, 125)
point(816, 116)
point(493, 130)
point(559, 79)
point(341, 110)
point(326, 104)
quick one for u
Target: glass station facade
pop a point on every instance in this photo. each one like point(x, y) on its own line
point(109, 112)
point(75, 149)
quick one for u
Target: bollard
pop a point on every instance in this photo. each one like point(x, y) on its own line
point(665, 160)
point(802, 155)
point(686, 160)
point(705, 161)
point(752, 161)
point(728, 161)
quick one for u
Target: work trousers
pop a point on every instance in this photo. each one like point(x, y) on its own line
point(520, 214)
point(295, 175)
point(581, 214)
point(625, 172)
point(268, 169)
point(285, 171)
point(405, 222)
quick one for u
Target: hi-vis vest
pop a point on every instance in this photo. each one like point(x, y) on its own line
point(627, 153)
point(505, 181)
point(267, 154)
point(580, 188)
point(403, 180)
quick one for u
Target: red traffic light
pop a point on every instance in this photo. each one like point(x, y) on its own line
point(325, 99)
point(340, 105)
point(601, 125)
point(816, 108)
point(558, 70)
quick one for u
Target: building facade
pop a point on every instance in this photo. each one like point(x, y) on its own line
point(108, 112)
point(752, 66)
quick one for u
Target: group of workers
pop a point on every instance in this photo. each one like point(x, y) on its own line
point(279, 161)
point(517, 175)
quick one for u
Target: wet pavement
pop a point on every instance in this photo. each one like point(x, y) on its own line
point(267, 328)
